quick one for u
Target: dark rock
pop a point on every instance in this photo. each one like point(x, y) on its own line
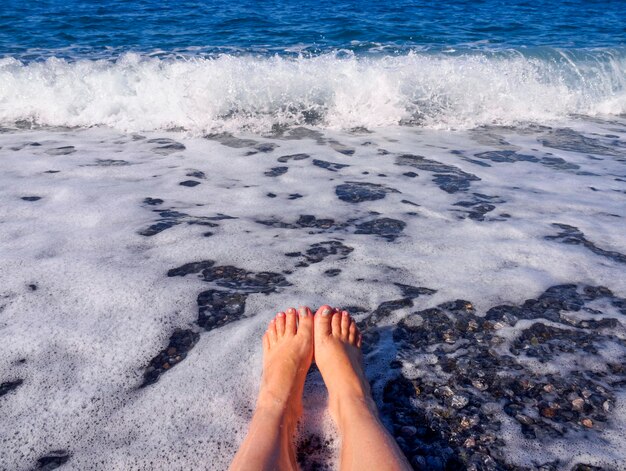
point(108, 163)
point(410, 174)
point(31, 198)
point(170, 218)
point(307, 220)
point(159, 227)
point(152, 201)
point(386, 308)
point(276, 171)
point(219, 308)
point(53, 460)
point(189, 183)
point(479, 206)
point(446, 406)
point(573, 236)
point(287, 158)
point(191, 268)
point(321, 250)
point(331, 273)
point(386, 228)
point(264, 147)
point(449, 178)
point(332, 166)
point(242, 280)
point(452, 183)
point(180, 343)
point(166, 146)
point(413, 292)
point(357, 192)
point(9, 386)
point(196, 174)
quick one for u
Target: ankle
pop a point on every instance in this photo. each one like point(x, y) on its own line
point(346, 407)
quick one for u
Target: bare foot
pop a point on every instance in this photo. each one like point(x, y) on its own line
point(287, 356)
point(338, 357)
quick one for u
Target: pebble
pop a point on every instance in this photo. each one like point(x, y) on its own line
point(459, 401)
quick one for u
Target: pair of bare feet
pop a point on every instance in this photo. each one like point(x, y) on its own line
point(292, 341)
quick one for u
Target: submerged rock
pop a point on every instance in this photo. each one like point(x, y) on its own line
point(449, 178)
point(471, 369)
point(8, 386)
point(180, 343)
point(357, 192)
point(53, 460)
point(386, 228)
point(573, 236)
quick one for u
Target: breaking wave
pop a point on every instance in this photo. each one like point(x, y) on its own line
point(338, 90)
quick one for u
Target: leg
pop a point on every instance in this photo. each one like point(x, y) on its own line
point(366, 444)
point(287, 356)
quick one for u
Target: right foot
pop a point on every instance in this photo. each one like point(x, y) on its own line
point(338, 357)
point(287, 356)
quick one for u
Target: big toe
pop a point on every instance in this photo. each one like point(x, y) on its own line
point(323, 318)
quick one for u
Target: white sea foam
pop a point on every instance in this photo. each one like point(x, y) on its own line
point(339, 90)
point(104, 306)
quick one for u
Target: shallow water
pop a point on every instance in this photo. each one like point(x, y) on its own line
point(139, 271)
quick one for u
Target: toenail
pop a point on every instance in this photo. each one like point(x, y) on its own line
point(280, 314)
point(326, 312)
point(303, 311)
point(291, 310)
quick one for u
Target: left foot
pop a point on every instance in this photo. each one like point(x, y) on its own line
point(287, 356)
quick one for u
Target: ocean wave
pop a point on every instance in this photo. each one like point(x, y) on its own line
point(338, 90)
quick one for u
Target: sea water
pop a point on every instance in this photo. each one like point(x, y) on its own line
point(172, 175)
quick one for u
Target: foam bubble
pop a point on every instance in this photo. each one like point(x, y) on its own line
point(103, 305)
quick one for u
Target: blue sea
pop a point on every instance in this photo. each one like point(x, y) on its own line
point(172, 174)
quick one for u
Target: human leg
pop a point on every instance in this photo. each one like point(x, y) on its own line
point(287, 356)
point(366, 444)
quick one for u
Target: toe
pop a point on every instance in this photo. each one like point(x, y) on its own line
point(290, 322)
point(305, 321)
point(345, 325)
point(336, 325)
point(352, 333)
point(271, 332)
point(280, 324)
point(322, 321)
point(359, 340)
